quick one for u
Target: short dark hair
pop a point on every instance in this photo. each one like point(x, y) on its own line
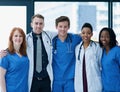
point(61, 19)
point(113, 41)
point(38, 16)
point(87, 25)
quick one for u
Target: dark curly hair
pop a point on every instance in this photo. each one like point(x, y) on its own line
point(113, 41)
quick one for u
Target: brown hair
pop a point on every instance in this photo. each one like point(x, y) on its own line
point(38, 16)
point(23, 45)
point(62, 19)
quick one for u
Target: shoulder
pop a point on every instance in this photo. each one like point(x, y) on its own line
point(7, 56)
point(75, 36)
point(26, 57)
point(116, 48)
point(4, 61)
point(115, 51)
point(29, 34)
point(79, 45)
point(50, 34)
point(55, 38)
point(95, 45)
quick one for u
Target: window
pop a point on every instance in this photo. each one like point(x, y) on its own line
point(116, 19)
point(11, 16)
point(78, 12)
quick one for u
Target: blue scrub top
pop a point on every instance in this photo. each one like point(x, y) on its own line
point(64, 57)
point(16, 72)
point(111, 70)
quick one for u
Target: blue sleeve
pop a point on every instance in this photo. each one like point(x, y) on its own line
point(4, 62)
point(118, 55)
point(77, 38)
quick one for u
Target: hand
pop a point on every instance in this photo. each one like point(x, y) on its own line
point(3, 53)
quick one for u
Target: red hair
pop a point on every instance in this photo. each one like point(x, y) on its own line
point(23, 45)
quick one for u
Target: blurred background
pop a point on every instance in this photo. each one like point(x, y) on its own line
point(100, 13)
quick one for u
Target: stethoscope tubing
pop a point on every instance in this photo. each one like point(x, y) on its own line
point(69, 44)
point(46, 35)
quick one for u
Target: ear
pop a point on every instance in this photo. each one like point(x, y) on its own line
point(56, 27)
point(31, 24)
point(44, 25)
point(92, 34)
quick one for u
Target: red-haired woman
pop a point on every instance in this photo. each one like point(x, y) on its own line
point(14, 66)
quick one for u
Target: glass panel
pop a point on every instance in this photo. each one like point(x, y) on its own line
point(78, 12)
point(11, 16)
point(116, 20)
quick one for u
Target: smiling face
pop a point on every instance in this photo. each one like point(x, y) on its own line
point(62, 28)
point(37, 24)
point(105, 38)
point(17, 38)
point(86, 34)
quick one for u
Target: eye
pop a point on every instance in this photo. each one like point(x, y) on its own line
point(65, 26)
point(16, 35)
point(36, 23)
point(40, 23)
point(20, 36)
point(89, 33)
point(83, 32)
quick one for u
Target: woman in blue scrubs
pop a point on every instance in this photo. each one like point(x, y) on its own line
point(14, 66)
point(110, 60)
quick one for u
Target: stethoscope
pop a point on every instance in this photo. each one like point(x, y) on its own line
point(80, 51)
point(81, 48)
point(69, 44)
point(50, 40)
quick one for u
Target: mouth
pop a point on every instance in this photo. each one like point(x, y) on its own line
point(85, 38)
point(103, 42)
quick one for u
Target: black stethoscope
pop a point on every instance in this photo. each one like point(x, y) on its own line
point(69, 44)
point(81, 48)
point(50, 40)
point(80, 51)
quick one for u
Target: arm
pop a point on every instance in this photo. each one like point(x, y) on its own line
point(3, 53)
point(51, 34)
point(2, 80)
point(118, 56)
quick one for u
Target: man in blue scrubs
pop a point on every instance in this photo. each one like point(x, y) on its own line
point(64, 56)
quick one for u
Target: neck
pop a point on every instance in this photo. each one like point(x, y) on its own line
point(107, 49)
point(86, 44)
point(37, 33)
point(17, 48)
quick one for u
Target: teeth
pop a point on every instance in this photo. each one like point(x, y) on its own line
point(104, 41)
point(85, 38)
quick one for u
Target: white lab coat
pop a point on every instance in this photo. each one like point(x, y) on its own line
point(47, 41)
point(93, 55)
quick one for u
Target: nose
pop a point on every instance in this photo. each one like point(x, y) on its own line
point(63, 28)
point(85, 34)
point(103, 38)
point(38, 25)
